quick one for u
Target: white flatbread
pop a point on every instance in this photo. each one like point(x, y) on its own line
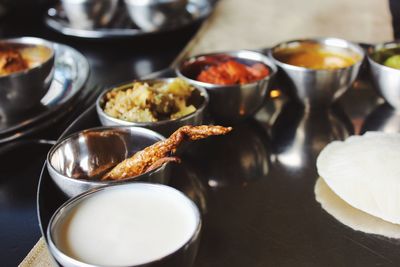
point(350, 216)
point(365, 172)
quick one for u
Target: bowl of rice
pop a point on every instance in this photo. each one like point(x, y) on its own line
point(162, 105)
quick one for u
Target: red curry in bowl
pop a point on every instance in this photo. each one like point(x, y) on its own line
point(227, 70)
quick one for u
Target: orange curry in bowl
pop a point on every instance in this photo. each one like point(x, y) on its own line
point(16, 57)
point(11, 61)
point(316, 56)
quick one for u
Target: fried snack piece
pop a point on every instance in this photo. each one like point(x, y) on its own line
point(157, 154)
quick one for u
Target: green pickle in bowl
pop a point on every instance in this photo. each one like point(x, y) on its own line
point(384, 65)
point(390, 57)
point(393, 62)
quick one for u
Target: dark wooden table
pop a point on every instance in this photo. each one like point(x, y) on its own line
point(255, 186)
point(111, 61)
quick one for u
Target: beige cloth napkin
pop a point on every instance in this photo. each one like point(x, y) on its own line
point(253, 24)
point(39, 256)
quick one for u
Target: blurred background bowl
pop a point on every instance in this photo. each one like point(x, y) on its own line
point(199, 99)
point(75, 161)
point(89, 14)
point(320, 87)
point(22, 90)
point(230, 103)
point(150, 15)
point(386, 79)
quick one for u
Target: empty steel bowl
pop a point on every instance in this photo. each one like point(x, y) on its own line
point(64, 249)
point(320, 87)
point(22, 90)
point(230, 103)
point(152, 15)
point(199, 100)
point(386, 79)
point(89, 14)
point(77, 162)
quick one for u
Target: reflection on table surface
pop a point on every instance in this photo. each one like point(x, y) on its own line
point(383, 118)
point(245, 150)
point(298, 135)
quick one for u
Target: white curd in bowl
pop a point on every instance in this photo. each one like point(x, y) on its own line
point(127, 225)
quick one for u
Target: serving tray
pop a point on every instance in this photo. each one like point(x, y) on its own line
point(71, 72)
point(121, 25)
point(255, 186)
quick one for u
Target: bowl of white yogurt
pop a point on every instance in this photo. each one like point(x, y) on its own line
point(134, 224)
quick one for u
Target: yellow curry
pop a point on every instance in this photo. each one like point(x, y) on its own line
point(315, 56)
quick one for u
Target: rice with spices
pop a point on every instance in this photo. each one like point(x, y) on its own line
point(150, 103)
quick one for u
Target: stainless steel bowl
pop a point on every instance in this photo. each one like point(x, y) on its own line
point(151, 15)
point(89, 14)
point(320, 87)
point(21, 91)
point(182, 257)
point(199, 99)
point(386, 79)
point(75, 161)
point(230, 103)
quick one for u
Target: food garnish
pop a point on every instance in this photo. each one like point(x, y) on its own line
point(145, 102)
point(316, 56)
point(228, 72)
point(157, 154)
